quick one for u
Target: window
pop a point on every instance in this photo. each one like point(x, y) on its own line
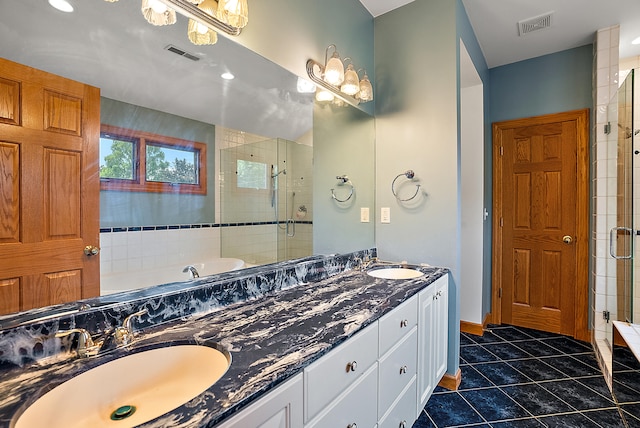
point(251, 175)
point(138, 161)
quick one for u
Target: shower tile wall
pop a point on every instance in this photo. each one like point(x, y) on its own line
point(604, 170)
point(258, 243)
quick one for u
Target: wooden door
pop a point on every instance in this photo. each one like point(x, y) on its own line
point(49, 188)
point(540, 224)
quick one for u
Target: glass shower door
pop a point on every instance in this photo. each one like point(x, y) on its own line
point(621, 237)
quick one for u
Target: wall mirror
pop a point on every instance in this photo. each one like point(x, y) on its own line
point(261, 119)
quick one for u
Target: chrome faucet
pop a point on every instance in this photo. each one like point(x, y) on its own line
point(193, 272)
point(120, 336)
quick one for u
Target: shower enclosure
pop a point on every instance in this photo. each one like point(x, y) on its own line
point(265, 201)
point(625, 124)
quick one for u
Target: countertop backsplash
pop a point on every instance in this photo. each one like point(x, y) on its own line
point(28, 338)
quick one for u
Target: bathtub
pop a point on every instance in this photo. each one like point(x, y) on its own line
point(126, 281)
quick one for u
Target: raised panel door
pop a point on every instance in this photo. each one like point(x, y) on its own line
point(49, 186)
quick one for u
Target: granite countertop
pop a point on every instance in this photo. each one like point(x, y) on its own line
point(270, 339)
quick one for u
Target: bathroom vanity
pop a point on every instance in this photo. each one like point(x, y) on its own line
point(315, 342)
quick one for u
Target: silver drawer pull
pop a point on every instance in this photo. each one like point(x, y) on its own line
point(403, 369)
point(403, 424)
point(404, 323)
point(351, 367)
point(353, 425)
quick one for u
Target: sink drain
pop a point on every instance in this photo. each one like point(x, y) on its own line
point(122, 412)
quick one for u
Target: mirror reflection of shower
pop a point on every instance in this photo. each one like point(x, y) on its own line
point(265, 199)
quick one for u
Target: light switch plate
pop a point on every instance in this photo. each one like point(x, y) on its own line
point(364, 215)
point(385, 215)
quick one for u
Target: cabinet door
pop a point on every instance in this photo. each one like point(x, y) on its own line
point(397, 370)
point(355, 407)
point(426, 303)
point(332, 374)
point(432, 338)
point(281, 408)
point(440, 324)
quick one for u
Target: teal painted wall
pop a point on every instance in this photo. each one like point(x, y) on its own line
point(417, 128)
point(547, 84)
point(118, 209)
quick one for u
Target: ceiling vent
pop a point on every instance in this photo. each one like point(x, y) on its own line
point(178, 51)
point(534, 24)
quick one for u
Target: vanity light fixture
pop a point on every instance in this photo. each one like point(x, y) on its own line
point(163, 12)
point(347, 87)
point(157, 13)
point(233, 12)
point(199, 33)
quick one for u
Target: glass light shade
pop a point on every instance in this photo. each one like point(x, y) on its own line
point(200, 34)
point(366, 89)
point(334, 70)
point(351, 83)
point(157, 13)
point(233, 12)
point(323, 95)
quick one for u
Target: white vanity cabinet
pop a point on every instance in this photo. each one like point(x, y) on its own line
point(432, 338)
point(280, 408)
point(370, 381)
point(398, 347)
point(336, 379)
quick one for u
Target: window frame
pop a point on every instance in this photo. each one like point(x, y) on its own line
point(139, 183)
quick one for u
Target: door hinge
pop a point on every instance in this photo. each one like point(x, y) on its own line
point(501, 150)
point(501, 221)
point(606, 315)
point(500, 293)
point(607, 128)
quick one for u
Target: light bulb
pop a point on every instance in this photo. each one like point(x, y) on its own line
point(351, 85)
point(323, 95)
point(199, 33)
point(334, 70)
point(157, 6)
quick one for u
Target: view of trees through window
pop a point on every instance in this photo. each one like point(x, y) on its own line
point(138, 161)
point(163, 164)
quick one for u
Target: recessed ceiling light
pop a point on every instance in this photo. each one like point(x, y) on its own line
point(636, 41)
point(227, 76)
point(61, 5)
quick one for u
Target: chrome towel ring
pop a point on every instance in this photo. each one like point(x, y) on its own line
point(409, 174)
point(342, 180)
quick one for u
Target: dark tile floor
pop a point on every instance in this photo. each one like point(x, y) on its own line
point(517, 377)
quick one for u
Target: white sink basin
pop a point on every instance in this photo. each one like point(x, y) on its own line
point(395, 273)
point(154, 382)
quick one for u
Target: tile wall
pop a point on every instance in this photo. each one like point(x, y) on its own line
point(604, 170)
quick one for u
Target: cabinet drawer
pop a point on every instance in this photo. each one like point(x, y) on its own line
point(403, 410)
point(397, 370)
point(328, 377)
point(397, 323)
point(355, 407)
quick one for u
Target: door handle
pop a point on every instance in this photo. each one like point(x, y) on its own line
point(90, 250)
point(567, 239)
point(613, 237)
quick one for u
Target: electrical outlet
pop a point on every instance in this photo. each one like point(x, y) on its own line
point(364, 215)
point(385, 215)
